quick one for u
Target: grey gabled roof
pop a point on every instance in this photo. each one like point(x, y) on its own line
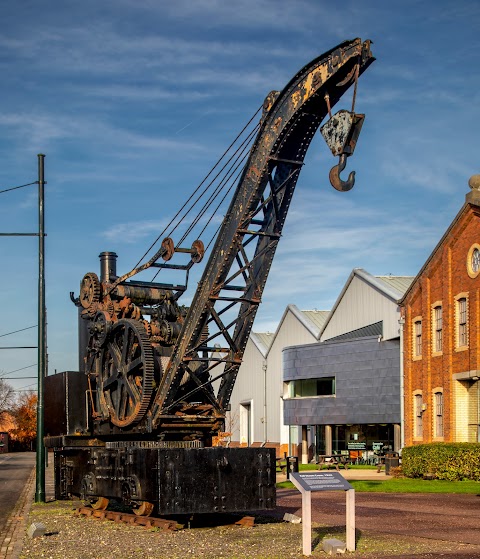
point(375, 329)
point(313, 321)
point(263, 341)
point(397, 283)
point(393, 287)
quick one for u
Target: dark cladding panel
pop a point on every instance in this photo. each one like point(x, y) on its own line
point(216, 480)
point(65, 403)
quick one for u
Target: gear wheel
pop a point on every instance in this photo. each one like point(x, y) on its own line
point(90, 289)
point(101, 326)
point(126, 373)
point(109, 308)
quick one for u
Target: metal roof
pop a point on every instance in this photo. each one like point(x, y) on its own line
point(263, 340)
point(375, 329)
point(400, 283)
point(317, 317)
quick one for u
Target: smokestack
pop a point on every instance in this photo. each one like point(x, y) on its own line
point(108, 266)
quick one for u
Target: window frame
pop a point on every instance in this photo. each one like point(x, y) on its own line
point(438, 413)
point(291, 389)
point(461, 322)
point(437, 328)
point(418, 410)
point(417, 338)
point(472, 272)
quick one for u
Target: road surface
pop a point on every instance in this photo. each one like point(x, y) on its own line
point(15, 469)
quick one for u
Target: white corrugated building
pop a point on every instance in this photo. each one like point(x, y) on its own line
point(366, 300)
point(366, 306)
point(256, 415)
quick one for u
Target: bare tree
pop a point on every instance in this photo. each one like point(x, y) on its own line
point(232, 421)
point(7, 398)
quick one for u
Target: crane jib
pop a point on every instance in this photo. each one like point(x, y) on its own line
point(265, 189)
point(157, 368)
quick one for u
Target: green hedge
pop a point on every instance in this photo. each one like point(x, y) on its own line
point(450, 461)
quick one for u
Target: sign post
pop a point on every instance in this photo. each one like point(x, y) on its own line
point(323, 481)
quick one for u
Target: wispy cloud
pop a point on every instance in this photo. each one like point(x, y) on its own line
point(243, 13)
point(42, 130)
point(133, 232)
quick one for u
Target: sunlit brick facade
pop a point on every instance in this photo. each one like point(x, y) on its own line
point(441, 336)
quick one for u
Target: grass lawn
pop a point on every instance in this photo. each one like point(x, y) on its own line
point(303, 467)
point(399, 485)
point(406, 485)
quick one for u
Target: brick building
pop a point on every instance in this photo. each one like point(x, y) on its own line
point(441, 335)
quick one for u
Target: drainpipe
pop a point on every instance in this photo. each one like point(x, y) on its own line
point(264, 367)
point(478, 411)
point(402, 386)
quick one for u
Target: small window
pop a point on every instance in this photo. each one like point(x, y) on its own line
point(418, 410)
point(417, 338)
point(306, 388)
point(438, 329)
point(438, 403)
point(462, 322)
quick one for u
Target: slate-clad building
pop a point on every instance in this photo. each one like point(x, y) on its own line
point(256, 416)
point(348, 391)
point(344, 393)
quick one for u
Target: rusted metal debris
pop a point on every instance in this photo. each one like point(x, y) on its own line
point(246, 522)
point(147, 521)
point(133, 519)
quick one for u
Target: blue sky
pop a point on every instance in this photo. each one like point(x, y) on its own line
point(132, 101)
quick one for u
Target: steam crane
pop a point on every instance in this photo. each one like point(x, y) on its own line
point(158, 377)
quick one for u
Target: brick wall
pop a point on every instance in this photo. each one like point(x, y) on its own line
point(441, 281)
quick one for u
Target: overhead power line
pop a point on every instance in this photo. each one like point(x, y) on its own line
point(19, 347)
point(26, 388)
point(16, 331)
point(16, 370)
point(16, 187)
point(17, 378)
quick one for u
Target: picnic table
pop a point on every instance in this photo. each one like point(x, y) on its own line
point(336, 461)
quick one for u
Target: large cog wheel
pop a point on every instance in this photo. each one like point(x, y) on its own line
point(90, 289)
point(126, 373)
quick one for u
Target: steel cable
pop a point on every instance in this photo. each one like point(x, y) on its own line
point(241, 158)
point(197, 188)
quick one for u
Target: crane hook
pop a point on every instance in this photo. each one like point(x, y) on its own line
point(334, 175)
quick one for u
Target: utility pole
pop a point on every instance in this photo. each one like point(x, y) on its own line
point(40, 465)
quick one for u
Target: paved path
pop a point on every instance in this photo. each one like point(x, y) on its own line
point(442, 517)
point(17, 485)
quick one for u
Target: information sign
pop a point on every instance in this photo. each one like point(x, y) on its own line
point(321, 481)
point(357, 446)
point(307, 483)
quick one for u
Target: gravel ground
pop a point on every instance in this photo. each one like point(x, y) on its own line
point(70, 536)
